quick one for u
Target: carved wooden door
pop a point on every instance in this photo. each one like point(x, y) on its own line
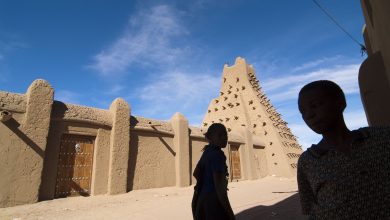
point(74, 166)
point(235, 166)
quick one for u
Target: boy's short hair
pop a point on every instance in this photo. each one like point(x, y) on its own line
point(329, 87)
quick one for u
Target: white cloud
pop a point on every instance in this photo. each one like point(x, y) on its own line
point(114, 89)
point(315, 63)
point(306, 137)
point(67, 96)
point(355, 119)
point(179, 91)
point(282, 88)
point(149, 39)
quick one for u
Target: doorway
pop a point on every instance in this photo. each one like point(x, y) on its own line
point(74, 170)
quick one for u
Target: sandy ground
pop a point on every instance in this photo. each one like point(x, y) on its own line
point(267, 198)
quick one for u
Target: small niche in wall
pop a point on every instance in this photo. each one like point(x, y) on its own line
point(216, 101)
point(259, 116)
point(216, 109)
point(265, 132)
point(237, 89)
point(254, 125)
point(227, 119)
point(205, 124)
point(209, 111)
point(229, 129)
point(237, 104)
point(254, 108)
point(225, 98)
point(273, 154)
point(229, 91)
point(223, 107)
point(224, 79)
point(221, 93)
point(243, 87)
point(237, 79)
point(220, 120)
point(264, 123)
point(250, 102)
point(235, 117)
point(230, 86)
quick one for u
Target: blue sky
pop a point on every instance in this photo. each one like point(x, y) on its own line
point(167, 56)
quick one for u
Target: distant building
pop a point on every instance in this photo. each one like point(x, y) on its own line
point(50, 149)
point(374, 73)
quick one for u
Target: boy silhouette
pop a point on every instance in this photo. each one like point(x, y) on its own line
point(347, 174)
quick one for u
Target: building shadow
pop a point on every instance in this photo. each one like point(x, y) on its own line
point(288, 208)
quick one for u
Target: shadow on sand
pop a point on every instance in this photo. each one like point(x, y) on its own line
point(289, 208)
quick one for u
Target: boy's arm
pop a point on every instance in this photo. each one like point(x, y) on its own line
point(305, 192)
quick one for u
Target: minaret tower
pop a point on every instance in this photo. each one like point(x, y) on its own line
point(243, 106)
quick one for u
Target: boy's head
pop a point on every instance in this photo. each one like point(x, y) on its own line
point(321, 104)
point(217, 135)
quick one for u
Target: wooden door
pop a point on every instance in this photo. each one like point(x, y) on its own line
point(74, 166)
point(235, 166)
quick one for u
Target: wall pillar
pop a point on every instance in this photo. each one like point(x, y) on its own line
point(248, 157)
point(34, 132)
point(375, 90)
point(181, 143)
point(119, 146)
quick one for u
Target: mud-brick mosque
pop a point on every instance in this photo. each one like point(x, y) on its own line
point(50, 149)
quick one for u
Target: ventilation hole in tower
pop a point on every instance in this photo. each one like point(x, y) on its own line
point(220, 120)
point(243, 87)
point(264, 123)
point(273, 154)
point(216, 109)
point(229, 129)
point(205, 124)
point(223, 107)
point(216, 101)
point(225, 98)
point(250, 102)
point(229, 91)
point(265, 132)
point(227, 119)
point(254, 108)
point(254, 125)
point(270, 143)
point(230, 86)
point(209, 111)
point(259, 116)
point(237, 104)
point(235, 95)
point(221, 93)
point(237, 89)
point(237, 79)
point(235, 117)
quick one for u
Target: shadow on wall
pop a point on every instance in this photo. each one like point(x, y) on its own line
point(14, 126)
point(133, 152)
point(289, 208)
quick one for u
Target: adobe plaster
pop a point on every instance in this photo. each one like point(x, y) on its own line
point(132, 152)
